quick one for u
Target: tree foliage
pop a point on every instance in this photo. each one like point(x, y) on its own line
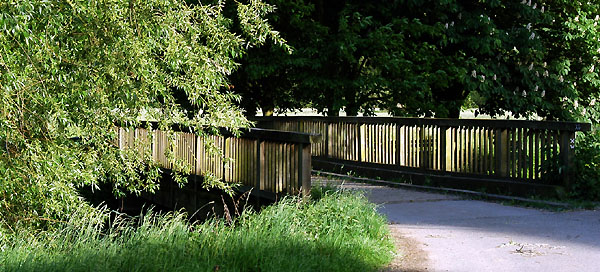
point(424, 58)
point(74, 69)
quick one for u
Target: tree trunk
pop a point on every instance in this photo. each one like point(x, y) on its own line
point(332, 112)
point(454, 112)
point(352, 109)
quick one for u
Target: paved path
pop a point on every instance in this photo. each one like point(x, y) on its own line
point(448, 233)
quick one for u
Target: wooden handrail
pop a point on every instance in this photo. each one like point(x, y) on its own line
point(250, 133)
point(515, 150)
point(442, 122)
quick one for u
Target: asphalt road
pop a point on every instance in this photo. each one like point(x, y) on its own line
point(450, 233)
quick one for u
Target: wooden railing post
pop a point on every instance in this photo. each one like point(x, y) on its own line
point(567, 154)
point(304, 166)
point(501, 153)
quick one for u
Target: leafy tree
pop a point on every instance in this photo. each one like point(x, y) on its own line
point(270, 75)
point(74, 69)
point(552, 74)
point(424, 58)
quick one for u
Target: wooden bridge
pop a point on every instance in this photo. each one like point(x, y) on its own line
point(505, 155)
point(271, 163)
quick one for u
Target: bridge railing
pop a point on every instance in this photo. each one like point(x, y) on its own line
point(275, 162)
point(531, 151)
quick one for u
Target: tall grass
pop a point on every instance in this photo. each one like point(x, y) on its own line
point(338, 232)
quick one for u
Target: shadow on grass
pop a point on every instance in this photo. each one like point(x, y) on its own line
point(339, 232)
point(286, 255)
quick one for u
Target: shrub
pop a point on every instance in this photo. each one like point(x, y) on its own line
point(587, 167)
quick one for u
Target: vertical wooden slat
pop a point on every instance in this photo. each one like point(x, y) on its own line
point(413, 149)
point(543, 149)
point(414, 146)
point(293, 169)
point(482, 150)
point(260, 159)
point(327, 140)
point(279, 165)
point(386, 144)
point(397, 145)
point(443, 149)
point(289, 175)
point(492, 151)
point(463, 148)
point(350, 141)
point(358, 143)
point(520, 152)
point(371, 140)
point(513, 144)
point(434, 148)
point(275, 166)
point(407, 146)
point(235, 152)
point(248, 158)
point(471, 149)
point(531, 154)
point(336, 136)
point(391, 144)
point(284, 160)
point(425, 145)
point(428, 141)
point(376, 142)
point(272, 167)
point(454, 142)
point(365, 143)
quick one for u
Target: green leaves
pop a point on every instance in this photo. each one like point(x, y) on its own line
point(76, 68)
point(417, 58)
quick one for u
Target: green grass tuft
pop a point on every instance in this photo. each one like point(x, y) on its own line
point(338, 232)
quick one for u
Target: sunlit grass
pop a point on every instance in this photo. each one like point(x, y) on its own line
point(338, 232)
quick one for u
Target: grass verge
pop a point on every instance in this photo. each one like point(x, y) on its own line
point(337, 232)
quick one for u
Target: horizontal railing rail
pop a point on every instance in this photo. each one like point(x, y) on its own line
point(516, 150)
point(275, 162)
point(443, 122)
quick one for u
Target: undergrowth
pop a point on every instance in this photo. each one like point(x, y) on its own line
point(336, 232)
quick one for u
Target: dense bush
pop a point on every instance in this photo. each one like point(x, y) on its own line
point(74, 69)
point(587, 154)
